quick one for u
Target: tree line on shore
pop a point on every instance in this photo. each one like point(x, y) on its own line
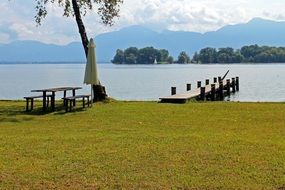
point(247, 54)
point(147, 55)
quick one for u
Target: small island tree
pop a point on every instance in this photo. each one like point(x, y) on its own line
point(183, 58)
point(107, 9)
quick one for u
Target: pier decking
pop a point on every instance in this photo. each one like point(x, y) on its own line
point(215, 91)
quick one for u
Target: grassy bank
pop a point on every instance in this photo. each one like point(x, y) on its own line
point(144, 145)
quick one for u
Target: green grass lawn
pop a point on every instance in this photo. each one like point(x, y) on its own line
point(144, 145)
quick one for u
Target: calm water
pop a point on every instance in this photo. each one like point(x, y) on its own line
point(140, 82)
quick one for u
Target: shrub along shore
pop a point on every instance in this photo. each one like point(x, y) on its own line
point(131, 145)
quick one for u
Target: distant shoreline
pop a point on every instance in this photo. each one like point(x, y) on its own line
point(108, 63)
point(43, 62)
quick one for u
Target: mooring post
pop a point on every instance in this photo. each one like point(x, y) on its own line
point(215, 79)
point(228, 87)
point(199, 84)
point(207, 82)
point(219, 79)
point(203, 93)
point(237, 83)
point(188, 87)
point(221, 90)
point(213, 92)
point(173, 90)
point(234, 85)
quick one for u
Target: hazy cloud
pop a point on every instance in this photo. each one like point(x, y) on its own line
point(17, 18)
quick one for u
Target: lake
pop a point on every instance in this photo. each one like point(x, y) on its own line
point(262, 82)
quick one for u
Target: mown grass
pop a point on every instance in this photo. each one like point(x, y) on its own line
point(144, 145)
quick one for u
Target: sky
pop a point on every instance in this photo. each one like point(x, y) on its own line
point(17, 18)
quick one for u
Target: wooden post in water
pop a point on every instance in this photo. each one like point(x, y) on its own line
point(207, 82)
point(219, 79)
point(213, 92)
point(234, 85)
point(173, 90)
point(203, 93)
point(221, 90)
point(199, 84)
point(237, 83)
point(188, 87)
point(215, 79)
point(228, 87)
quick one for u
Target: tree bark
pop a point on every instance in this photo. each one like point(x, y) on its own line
point(81, 26)
point(99, 92)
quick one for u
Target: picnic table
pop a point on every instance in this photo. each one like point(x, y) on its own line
point(53, 91)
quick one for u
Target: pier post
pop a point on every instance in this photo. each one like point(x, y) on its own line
point(213, 92)
point(219, 79)
point(188, 87)
point(199, 84)
point(221, 90)
point(228, 87)
point(203, 93)
point(207, 82)
point(173, 90)
point(237, 83)
point(234, 85)
point(215, 79)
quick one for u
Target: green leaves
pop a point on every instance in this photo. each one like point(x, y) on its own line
point(147, 55)
point(107, 9)
point(183, 58)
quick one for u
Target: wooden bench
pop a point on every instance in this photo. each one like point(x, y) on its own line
point(68, 101)
point(31, 99)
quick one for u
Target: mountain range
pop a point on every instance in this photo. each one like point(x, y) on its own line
point(257, 31)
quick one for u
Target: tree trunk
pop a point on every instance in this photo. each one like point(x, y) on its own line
point(99, 92)
point(81, 26)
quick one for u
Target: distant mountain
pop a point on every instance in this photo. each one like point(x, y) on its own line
point(33, 51)
point(257, 31)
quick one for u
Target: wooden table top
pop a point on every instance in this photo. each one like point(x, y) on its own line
point(56, 89)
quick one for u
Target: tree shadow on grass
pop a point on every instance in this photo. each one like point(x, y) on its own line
point(16, 111)
point(10, 113)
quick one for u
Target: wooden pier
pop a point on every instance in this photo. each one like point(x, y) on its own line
point(218, 90)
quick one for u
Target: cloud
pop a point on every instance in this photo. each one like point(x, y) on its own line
point(20, 24)
point(17, 18)
point(186, 15)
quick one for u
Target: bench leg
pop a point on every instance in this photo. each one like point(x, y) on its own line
point(32, 104)
point(47, 101)
point(44, 101)
point(53, 101)
point(73, 94)
point(88, 102)
point(83, 101)
point(64, 96)
point(70, 104)
point(66, 105)
point(27, 105)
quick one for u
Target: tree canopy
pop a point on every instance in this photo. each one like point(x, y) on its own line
point(147, 55)
point(247, 54)
point(107, 9)
point(183, 58)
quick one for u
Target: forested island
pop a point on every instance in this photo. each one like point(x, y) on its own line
point(247, 54)
point(208, 55)
point(147, 55)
